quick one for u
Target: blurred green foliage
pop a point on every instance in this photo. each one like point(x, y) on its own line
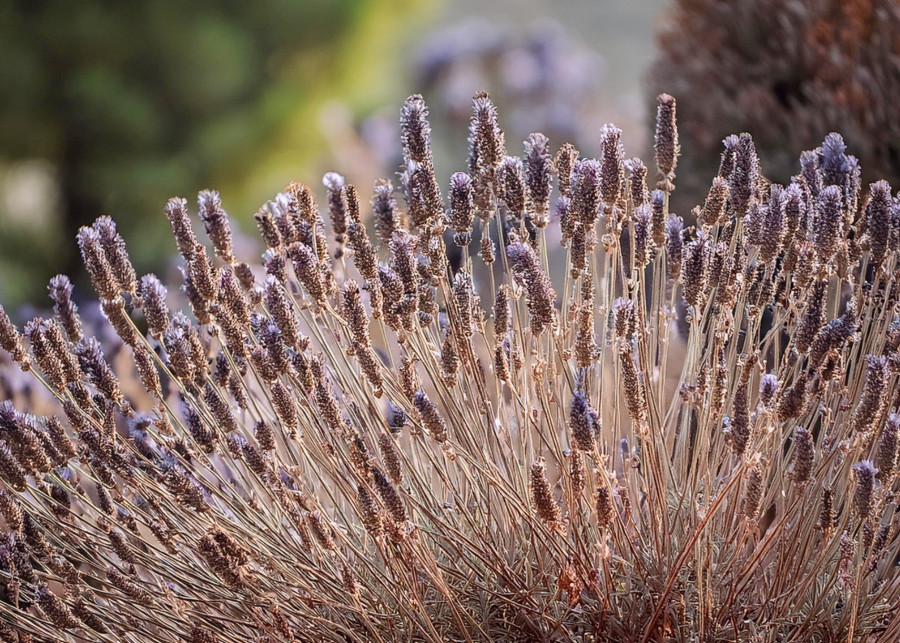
point(133, 102)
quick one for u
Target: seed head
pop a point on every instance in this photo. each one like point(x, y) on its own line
point(423, 195)
point(752, 501)
point(809, 172)
point(215, 219)
point(792, 401)
point(55, 609)
point(804, 455)
point(695, 270)
point(538, 175)
point(97, 264)
point(66, 310)
point(511, 178)
point(199, 305)
point(152, 296)
point(219, 409)
point(285, 408)
point(633, 385)
point(612, 172)
point(878, 220)
point(674, 246)
point(886, 460)
point(542, 497)
point(863, 497)
point(603, 504)
point(389, 454)
point(826, 512)
point(813, 316)
point(396, 509)
point(202, 635)
point(403, 260)
point(114, 249)
point(774, 230)
point(223, 555)
point(337, 208)
point(585, 344)
point(462, 207)
point(268, 228)
point(768, 388)
point(873, 397)
point(741, 429)
point(94, 364)
point(488, 251)
point(11, 340)
point(564, 162)
point(743, 175)
point(828, 223)
point(644, 245)
point(11, 510)
point(586, 189)
point(487, 147)
point(231, 297)
point(530, 274)
point(204, 435)
point(177, 212)
point(714, 211)
point(578, 250)
point(415, 130)
point(463, 293)
point(431, 417)
point(384, 210)
point(665, 142)
point(501, 313)
point(202, 275)
point(282, 311)
point(449, 360)
point(52, 357)
point(793, 206)
point(637, 182)
point(833, 164)
point(582, 422)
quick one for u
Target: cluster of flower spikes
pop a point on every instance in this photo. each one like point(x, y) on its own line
point(689, 430)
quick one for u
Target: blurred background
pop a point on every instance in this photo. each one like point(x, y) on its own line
point(111, 107)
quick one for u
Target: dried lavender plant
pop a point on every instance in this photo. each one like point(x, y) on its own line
point(689, 433)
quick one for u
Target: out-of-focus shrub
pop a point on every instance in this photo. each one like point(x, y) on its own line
point(787, 71)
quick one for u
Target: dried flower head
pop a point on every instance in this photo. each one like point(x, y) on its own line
point(97, 263)
point(487, 147)
point(752, 501)
point(415, 130)
point(542, 497)
point(863, 497)
point(11, 340)
point(665, 142)
point(804, 454)
point(65, 309)
point(612, 168)
point(215, 219)
point(582, 422)
point(530, 274)
point(538, 175)
point(114, 250)
point(462, 207)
